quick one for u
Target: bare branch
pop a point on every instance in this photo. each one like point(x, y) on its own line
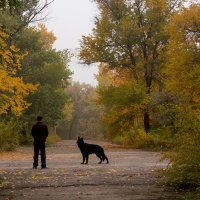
point(29, 13)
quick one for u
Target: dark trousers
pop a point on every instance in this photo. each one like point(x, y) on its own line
point(39, 146)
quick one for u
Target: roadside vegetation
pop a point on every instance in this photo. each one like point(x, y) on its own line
point(149, 77)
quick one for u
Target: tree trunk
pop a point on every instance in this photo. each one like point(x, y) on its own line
point(148, 78)
point(71, 128)
point(146, 122)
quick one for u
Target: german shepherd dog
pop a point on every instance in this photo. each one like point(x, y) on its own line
point(87, 149)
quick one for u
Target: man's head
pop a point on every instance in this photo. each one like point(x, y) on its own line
point(39, 118)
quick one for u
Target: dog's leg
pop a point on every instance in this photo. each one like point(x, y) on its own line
point(87, 157)
point(83, 159)
point(106, 159)
point(99, 156)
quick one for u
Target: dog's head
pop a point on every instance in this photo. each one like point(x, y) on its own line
point(80, 141)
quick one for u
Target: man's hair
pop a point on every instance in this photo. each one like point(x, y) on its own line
point(39, 118)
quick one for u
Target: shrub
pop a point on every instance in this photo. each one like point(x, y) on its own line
point(162, 139)
point(9, 137)
point(118, 140)
point(184, 170)
point(194, 195)
point(52, 138)
point(136, 138)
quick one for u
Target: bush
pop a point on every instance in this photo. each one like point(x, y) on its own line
point(193, 195)
point(52, 138)
point(162, 139)
point(118, 140)
point(9, 137)
point(136, 138)
point(184, 170)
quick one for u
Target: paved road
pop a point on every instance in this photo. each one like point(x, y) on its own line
point(130, 175)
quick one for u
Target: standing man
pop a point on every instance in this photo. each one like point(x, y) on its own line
point(40, 133)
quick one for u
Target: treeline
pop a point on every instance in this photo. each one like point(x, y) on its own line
point(149, 79)
point(83, 114)
point(33, 75)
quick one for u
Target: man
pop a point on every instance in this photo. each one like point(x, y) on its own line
point(40, 133)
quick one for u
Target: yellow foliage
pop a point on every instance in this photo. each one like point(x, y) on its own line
point(12, 88)
point(160, 5)
point(183, 83)
point(116, 77)
point(47, 37)
point(183, 72)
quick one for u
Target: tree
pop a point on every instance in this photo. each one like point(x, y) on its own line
point(43, 65)
point(130, 35)
point(11, 4)
point(182, 75)
point(48, 68)
point(85, 120)
point(123, 100)
point(47, 38)
point(13, 89)
point(24, 13)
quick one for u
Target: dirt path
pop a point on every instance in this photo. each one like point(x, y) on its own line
point(130, 175)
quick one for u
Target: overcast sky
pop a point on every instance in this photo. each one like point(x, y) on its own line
point(69, 20)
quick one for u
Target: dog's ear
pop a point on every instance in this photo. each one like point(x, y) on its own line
point(79, 138)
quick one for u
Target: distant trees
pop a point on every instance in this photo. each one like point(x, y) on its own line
point(85, 119)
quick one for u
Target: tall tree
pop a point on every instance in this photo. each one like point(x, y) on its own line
point(46, 67)
point(130, 34)
point(13, 89)
point(122, 98)
point(182, 75)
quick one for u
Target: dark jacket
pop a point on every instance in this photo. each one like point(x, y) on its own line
point(40, 131)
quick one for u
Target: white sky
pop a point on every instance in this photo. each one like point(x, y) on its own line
point(69, 20)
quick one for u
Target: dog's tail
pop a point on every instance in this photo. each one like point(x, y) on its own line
point(105, 157)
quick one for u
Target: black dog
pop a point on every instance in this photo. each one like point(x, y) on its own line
point(87, 149)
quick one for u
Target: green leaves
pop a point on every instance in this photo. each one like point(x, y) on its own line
point(130, 35)
point(11, 4)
